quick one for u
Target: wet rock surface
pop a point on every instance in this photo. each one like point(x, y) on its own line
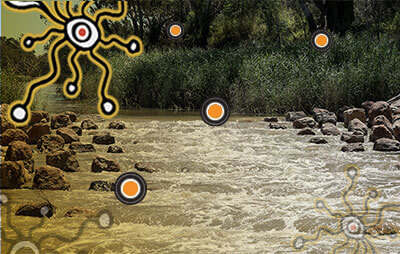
point(101, 163)
point(64, 160)
point(102, 186)
point(50, 178)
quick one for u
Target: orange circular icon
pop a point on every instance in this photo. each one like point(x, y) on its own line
point(130, 188)
point(321, 40)
point(215, 111)
point(175, 30)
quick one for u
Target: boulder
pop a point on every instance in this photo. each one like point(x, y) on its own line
point(276, 126)
point(352, 138)
point(101, 164)
point(50, 143)
point(318, 141)
point(305, 122)
point(64, 160)
point(340, 113)
point(306, 131)
point(271, 119)
point(380, 108)
point(380, 131)
point(20, 151)
point(39, 210)
point(72, 116)
point(36, 131)
point(396, 130)
point(50, 178)
point(78, 147)
point(353, 113)
point(322, 116)
point(76, 129)
point(382, 120)
point(367, 105)
point(6, 125)
point(117, 125)
point(115, 149)
point(12, 135)
point(88, 124)
point(357, 125)
point(68, 135)
point(81, 212)
point(356, 147)
point(102, 186)
point(144, 167)
point(293, 116)
point(316, 111)
point(13, 175)
point(387, 145)
point(103, 139)
point(60, 121)
point(38, 116)
point(330, 129)
point(385, 229)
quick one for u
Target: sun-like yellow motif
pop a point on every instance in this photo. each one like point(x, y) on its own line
point(84, 35)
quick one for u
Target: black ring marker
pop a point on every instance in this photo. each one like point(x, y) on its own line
point(139, 180)
point(173, 36)
point(326, 33)
point(210, 121)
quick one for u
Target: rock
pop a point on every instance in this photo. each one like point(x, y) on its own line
point(88, 124)
point(318, 141)
point(356, 147)
point(340, 113)
point(353, 113)
point(101, 164)
point(102, 186)
point(39, 210)
point(68, 135)
point(357, 125)
point(306, 131)
point(50, 143)
point(64, 160)
point(317, 111)
point(384, 229)
point(387, 145)
point(352, 138)
point(144, 167)
point(293, 116)
point(380, 108)
point(12, 135)
point(38, 116)
point(13, 175)
point(36, 131)
point(6, 125)
point(103, 139)
point(396, 118)
point(322, 116)
point(304, 123)
point(60, 121)
point(76, 129)
point(20, 151)
point(380, 131)
point(81, 212)
point(50, 178)
point(115, 149)
point(367, 105)
point(382, 120)
point(271, 119)
point(276, 126)
point(78, 147)
point(72, 116)
point(330, 129)
point(117, 125)
point(396, 130)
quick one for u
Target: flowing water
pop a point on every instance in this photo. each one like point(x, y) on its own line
point(239, 188)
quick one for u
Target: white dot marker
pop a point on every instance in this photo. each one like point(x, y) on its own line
point(28, 42)
point(108, 107)
point(19, 113)
point(133, 46)
point(71, 88)
point(104, 220)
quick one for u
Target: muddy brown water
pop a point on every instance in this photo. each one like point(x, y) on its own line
point(239, 188)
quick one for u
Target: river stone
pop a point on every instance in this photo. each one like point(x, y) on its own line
point(380, 108)
point(68, 135)
point(396, 130)
point(50, 143)
point(103, 139)
point(115, 149)
point(367, 105)
point(64, 160)
point(21, 151)
point(50, 178)
point(101, 164)
point(36, 210)
point(271, 119)
point(293, 116)
point(13, 175)
point(340, 113)
point(6, 125)
point(102, 186)
point(318, 141)
point(88, 124)
point(387, 145)
point(76, 129)
point(78, 147)
point(306, 131)
point(71, 115)
point(385, 229)
point(117, 125)
point(304, 123)
point(396, 118)
point(353, 113)
point(12, 135)
point(276, 126)
point(322, 116)
point(144, 167)
point(352, 138)
point(357, 125)
point(37, 117)
point(330, 129)
point(60, 121)
point(81, 212)
point(382, 120)
point(38, 130)
point(380, 131)
point(356, 147)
